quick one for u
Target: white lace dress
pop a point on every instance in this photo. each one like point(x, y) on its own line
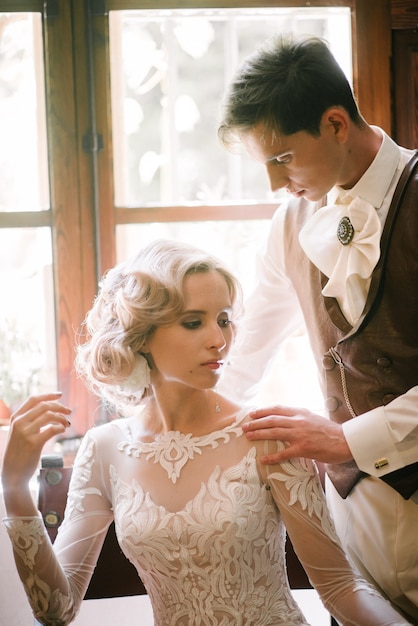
point(202, 521)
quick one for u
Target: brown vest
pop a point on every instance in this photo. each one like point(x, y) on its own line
point(379, 355)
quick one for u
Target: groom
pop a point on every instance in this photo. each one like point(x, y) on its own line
point(341, 258)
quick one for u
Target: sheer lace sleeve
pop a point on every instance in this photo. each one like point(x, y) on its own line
point(56, 577)
point(297, 492)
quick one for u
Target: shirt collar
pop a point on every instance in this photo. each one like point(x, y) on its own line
point(376, 180)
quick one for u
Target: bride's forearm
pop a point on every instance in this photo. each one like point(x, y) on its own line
point(18, 501)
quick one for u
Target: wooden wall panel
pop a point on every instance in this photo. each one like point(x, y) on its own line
point(372, 58)
point(404, 14)
point(405, 92)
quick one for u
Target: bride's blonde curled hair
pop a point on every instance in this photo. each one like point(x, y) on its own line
point(135, 297)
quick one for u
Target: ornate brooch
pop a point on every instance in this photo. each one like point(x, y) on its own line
point(345, 231)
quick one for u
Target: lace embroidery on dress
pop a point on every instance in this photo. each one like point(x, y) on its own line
point(305, 489)
point(173, 449)
point(27, 535)
point(300, 479)
point(55, 601)
point(80, 477)
point(217, 561)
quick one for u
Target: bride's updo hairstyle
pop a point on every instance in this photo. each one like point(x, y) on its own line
point(135, 297)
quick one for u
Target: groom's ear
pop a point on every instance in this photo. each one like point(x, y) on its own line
point(337, 121)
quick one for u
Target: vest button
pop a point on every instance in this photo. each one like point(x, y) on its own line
point(51, 519)
point(383, 361)
point(388, 397)
point(332, 404)
point(328, 362)
point(53, 477)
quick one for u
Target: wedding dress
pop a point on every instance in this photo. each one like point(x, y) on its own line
point(202, 521)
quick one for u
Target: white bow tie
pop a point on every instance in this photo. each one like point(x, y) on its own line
point(348, 261)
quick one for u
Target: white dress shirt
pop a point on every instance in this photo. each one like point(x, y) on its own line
point(273, 312)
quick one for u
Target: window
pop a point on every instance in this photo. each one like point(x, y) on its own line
point(27, 327)
point(169, 68)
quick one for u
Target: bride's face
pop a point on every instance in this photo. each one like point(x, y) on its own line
point(193, 350)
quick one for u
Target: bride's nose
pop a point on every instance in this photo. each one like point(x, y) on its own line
point(216, 338)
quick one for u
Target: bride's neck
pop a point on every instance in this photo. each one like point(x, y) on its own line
point(196, 413)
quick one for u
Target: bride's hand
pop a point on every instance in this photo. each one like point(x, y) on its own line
point(36, 421)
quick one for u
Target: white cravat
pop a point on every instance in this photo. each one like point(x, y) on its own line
point(349, 267)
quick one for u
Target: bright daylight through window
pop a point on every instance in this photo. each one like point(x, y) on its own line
point(27, 337)
point(169, 69)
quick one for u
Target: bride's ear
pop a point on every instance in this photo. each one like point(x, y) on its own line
point(148, 357)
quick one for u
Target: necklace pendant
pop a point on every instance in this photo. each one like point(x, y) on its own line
point(345, 231)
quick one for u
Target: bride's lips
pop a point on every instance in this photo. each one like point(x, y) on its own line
point(213, 365)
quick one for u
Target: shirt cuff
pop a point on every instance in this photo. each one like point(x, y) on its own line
point(371, 443)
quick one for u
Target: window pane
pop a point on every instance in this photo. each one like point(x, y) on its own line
point(234, 242)
point(23, 160)
point(169, 69)
point(27, 341)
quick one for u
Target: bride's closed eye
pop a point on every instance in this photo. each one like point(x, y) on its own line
point(192, 324)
